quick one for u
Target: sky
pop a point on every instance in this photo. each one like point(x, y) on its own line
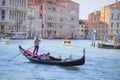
point(88, 6)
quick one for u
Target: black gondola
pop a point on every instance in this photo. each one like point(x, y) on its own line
point(53, 60)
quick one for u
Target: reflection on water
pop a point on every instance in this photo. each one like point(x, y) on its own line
point(73, 68)
point(101, 64)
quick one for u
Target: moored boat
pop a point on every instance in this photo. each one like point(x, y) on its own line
point(5, 40)
point(53, 61)
point(108, 46)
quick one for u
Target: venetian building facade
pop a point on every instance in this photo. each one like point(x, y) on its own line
point(114, 22)
point(88, 26)
point(34, 22)
point(53, 20)
point(111, 15)
point(94, 16)
point(60, 18)
point(72, 19)
point(83, 27)
point(93, 23)
point(13, 17)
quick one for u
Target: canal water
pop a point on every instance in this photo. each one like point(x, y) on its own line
point(101, 64)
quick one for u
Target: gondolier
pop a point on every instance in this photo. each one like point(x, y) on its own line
point(36, 45)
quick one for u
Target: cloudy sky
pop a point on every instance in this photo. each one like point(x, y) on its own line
point(88, 6)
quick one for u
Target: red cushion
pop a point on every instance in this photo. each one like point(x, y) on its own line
point(30, 53)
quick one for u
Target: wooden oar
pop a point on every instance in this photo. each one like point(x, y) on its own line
point(18, 55)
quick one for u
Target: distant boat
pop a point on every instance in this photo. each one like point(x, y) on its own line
point(110, 44)
point(5, 40)
point(67, 42)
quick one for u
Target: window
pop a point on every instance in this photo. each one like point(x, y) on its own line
point(2, 27)
point(61, 27)
point(53, 8)
point(40, 15)
point(32, 0)
point(72, 27)
point(49, 18)
point(118, 16)
point(117, 25)
point(49, 25)
point(3, 14)
point(3, 2)
point(39, 1)
point(61, 19)
point(41, 7)
point(72, 17)
point(94, 18)
point(106, 26)
point(49, 8)
point(112, 16)
point(73, 8)
point(99, 31)
point(55, 32)
point(111, 25)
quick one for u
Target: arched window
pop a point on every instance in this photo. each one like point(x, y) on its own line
point(3, 14)
point(3, 2)
point(2, 27)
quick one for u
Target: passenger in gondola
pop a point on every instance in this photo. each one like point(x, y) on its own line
point(48, 56)
point(39, 56)
point(42, 56)
point(36, 45)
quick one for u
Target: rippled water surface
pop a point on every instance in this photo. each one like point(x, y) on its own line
point(101, 64)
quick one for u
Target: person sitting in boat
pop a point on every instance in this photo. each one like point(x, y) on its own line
point(48, 56)
point(39, 56)
point(42, 56)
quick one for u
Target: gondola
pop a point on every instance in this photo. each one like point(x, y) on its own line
point(53, 60)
